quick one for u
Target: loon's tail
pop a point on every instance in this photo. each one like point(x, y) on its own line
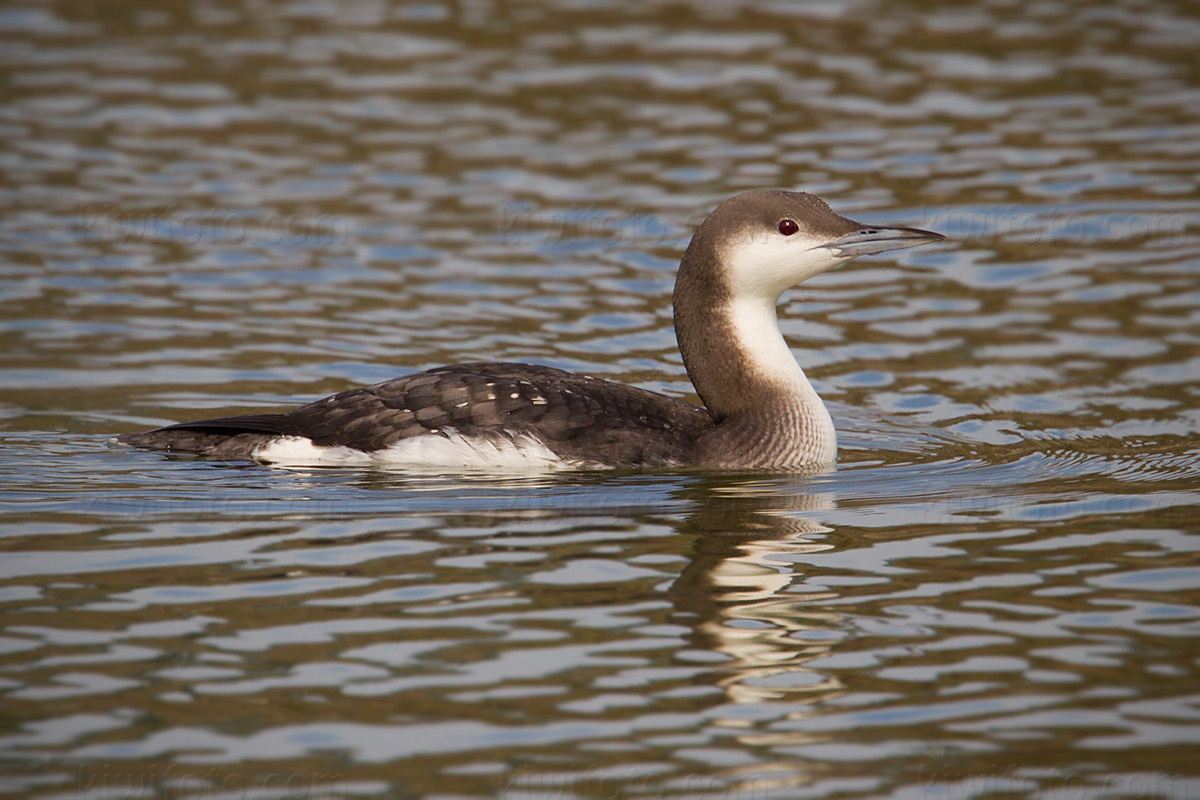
point(235, 438)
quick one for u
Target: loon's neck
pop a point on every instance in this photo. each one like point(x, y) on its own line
point(768, 414)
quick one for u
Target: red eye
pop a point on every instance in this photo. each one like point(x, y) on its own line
point(788, 226)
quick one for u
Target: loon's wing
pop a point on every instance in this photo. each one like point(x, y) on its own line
point(278, 424)
point(577, 416)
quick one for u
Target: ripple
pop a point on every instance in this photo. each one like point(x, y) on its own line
point(247, 207)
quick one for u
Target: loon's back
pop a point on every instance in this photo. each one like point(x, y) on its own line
point(489, 414)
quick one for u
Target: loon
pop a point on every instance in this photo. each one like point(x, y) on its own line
point(760, 411)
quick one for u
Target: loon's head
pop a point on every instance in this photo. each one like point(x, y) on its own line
point(768, 240)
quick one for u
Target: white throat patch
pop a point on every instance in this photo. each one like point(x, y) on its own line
point(765, 265)
point(756, 331)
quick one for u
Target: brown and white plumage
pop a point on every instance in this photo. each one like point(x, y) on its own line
point(760, 409)
point(583, 420)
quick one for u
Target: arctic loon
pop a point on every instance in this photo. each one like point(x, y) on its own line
point(760, 411)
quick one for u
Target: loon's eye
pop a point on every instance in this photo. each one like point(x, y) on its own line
point(788, 226)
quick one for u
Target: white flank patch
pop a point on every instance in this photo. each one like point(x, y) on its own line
point(447, 450)
point(299, 451)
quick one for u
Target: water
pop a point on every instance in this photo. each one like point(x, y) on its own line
point(214, 207)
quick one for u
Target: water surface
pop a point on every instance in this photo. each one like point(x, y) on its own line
point(217, 207)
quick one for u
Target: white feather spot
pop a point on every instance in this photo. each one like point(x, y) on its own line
point(515, 395)
point(539, 401)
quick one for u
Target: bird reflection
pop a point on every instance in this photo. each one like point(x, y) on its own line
point(741, 593)
point(740, 586)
